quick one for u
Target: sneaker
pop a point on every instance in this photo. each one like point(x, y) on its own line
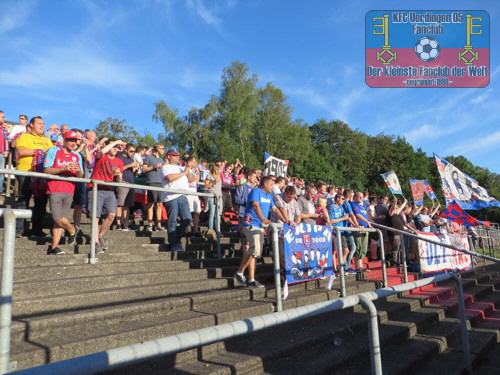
point(99, 249)
point(240, 279)
point(72, 237)
point(161, 229)
point(149, 228)
point(56, 251)
point(119, 229)
point(350, 271)
point(104, 243)
point(128, 229)
point(284, 290)
point(255, 283)
point(330, 281)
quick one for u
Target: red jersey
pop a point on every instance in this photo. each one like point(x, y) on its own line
point(103, 170)
point(57, 158)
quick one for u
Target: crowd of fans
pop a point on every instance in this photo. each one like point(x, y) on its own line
point(257, 199)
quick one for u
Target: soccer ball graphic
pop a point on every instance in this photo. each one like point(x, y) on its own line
point(427, 49)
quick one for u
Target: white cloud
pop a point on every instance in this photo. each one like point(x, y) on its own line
point(75, 65)
point(427, 131)
point(478, 144)
point(481, 98)
point(14, 14)
point(206, 14)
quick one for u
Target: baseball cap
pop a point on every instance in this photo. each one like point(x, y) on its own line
point(70, 135)
point(173, 152)
point(54, 137)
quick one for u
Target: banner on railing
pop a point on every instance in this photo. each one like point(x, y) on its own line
point(308, 252)
point(274, 166)
point(435, 258)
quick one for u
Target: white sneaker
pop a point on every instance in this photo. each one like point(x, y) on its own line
point(329, 284)
point(285, 291)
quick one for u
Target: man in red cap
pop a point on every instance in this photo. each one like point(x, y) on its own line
point(62, 161)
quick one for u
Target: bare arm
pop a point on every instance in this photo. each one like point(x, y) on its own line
point(259, 214)
point(175, 176)
point(106, 149)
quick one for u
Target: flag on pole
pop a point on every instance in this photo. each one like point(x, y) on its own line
point(392, 182)
point(417, 191)
point(428, 190)
point(461, 188)
point(455, 213)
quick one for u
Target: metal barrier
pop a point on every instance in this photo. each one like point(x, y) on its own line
point(472, 253)
point(92, 259)
point(10, 217)
point(128, 355)
point(9, 240)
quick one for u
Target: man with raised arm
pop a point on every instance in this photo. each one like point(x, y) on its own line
point(398, 221)
point(63, 161)
point(107, 168)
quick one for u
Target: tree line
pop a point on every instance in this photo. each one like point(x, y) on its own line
point(244, 120)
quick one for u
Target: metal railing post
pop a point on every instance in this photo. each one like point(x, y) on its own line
point(94, 222)
point(376, 359)
point(338, 238)
point(217, 225)
point(463, 322)
point(382, 258)
point(276, 260)
point(9, 240)
point(403, 259)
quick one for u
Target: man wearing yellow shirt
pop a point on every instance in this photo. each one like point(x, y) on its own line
point(27, 145)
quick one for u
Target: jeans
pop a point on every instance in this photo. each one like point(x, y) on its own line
point(2, 176)
point(211, 212)
point(351, 244)
point(23, 200)
point(175, 207)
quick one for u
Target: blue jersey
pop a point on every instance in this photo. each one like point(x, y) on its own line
point(358, 208)
point(336, 212)
point(348, 210)
point(265, 201)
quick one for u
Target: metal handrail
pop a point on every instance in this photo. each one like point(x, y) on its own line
point(93, 259)
point(132, 354)
point(9, 240)
point(472, 253)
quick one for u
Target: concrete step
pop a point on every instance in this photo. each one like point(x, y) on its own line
point(82, 270)
point(106, 296)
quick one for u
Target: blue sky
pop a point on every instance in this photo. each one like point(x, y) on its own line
point(81, 61)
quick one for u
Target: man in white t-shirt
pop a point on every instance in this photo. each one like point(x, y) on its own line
point(176, 177)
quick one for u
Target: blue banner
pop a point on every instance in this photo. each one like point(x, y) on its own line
point(308, 252)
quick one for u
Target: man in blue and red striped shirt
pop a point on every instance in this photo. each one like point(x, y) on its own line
point(62, 161)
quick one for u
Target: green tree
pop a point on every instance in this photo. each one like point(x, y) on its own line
point(114, 128)
point(237, 107)
point(345, 149)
